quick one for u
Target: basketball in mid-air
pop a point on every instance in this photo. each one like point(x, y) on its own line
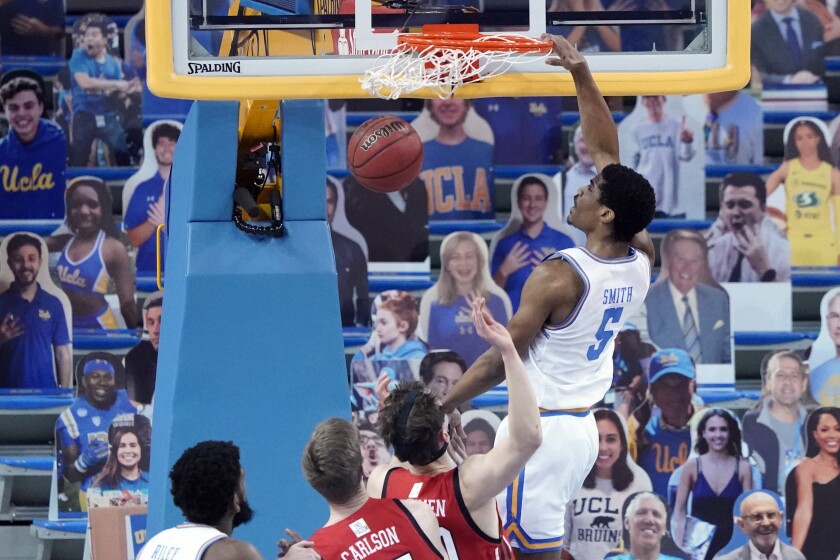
point(385, 154)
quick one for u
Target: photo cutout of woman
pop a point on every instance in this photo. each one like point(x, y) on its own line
point(811, 186)
point(593, 525)
point(445, 307)
point(814, 489)
point(124, 479)
point(713, 480)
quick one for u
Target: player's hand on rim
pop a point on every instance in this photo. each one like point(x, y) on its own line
point(567, 55)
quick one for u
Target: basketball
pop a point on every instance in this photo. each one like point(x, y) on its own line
point(385, 154)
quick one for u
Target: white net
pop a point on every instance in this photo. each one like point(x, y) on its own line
point(442, 67)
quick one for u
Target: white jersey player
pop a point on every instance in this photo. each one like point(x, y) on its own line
point(572, 306)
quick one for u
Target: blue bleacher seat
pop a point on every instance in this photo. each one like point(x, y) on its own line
point(85, 339)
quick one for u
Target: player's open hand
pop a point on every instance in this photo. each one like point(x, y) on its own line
point(457, 437)
point(489, 329)
point(567, 55)
point(296, 548)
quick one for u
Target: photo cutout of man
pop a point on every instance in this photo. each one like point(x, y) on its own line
point(579, 171)
point(82, 429)
point(529, 237)
point(96, 76)
point(760, 519)
point(683, 311)
point(35, 349)
point(661, 144)
point(773, 430)
point(787, 45)
point(141, 361)
point(824, 358)
point(145, 209)
point(745, 245)
point(351, 266)
point(646, 524)
point(33, 155)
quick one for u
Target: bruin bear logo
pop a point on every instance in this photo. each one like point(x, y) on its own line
point(602, 521)
point(383, 132)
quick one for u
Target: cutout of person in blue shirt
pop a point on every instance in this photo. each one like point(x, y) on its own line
point(124, 479)
point(528, 238)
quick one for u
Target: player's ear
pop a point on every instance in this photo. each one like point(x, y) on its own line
point(607, 215)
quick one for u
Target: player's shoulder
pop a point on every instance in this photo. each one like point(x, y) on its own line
point(232, 549)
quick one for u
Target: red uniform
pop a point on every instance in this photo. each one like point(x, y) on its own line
point(380, 530)
point(461, 536)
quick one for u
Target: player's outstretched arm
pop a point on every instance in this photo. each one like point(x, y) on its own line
point(596, 120)
point(484, 476)
point(232, 549)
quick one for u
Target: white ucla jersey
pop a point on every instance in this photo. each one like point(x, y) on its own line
point(570, 364)
point(184, 542)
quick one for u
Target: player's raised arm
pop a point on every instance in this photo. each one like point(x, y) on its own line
point(484, 476)
point(596, 120)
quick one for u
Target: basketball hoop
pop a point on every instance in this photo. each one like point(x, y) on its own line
point(445, 57)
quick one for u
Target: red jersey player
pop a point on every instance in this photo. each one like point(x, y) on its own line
point(464, 497)
point(360, 527)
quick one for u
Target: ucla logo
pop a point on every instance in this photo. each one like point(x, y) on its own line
point(73, 279)
point(44, 314)
point(807, 199)
point(537, 109)
point(36, 181)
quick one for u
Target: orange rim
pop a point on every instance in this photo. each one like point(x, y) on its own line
point(474, 41)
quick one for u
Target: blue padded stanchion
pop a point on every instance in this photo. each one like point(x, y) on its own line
point(251, 348)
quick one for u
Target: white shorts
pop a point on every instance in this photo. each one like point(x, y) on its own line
point(533, 507)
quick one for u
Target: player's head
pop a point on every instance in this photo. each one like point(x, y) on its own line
point(99, 384)
point(481, 436)
point(785, 378)
point(685, 258)
point(618, 200)
point(152, 312)
point(208, 484)
point(24, 259)
point(441, 370)
point(23, 103)
point(448, 112)
point(332, 461)
point(718, 430)
point(646, 520)
point(611, 462)
point(412, 422)
point(89, 207)
point(532, 199)
point(743, 198)
point(164, 138)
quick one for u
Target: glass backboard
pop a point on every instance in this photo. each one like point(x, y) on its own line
point(267, 49)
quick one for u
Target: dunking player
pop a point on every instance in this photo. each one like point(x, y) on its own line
point(463, 498)
point(358, 526)
point(572, 306)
